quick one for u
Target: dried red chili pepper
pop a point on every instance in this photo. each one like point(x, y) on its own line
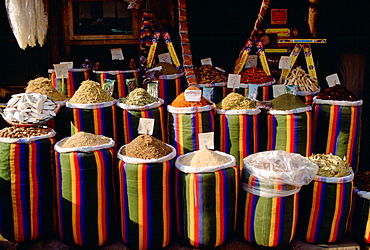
point(337, 92)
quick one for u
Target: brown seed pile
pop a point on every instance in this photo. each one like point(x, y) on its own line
point(236, 101)
point(204, 158)
point(207, 74)
point(138, 97)
point(167, 69)
point(146, 147)
point(84, 139)
point(43, 85)
point(23, 132)
point(90, 92)
point(362, 181)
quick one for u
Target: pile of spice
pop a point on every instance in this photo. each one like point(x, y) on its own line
point(167, 68)
point(138, 97)
point(287, 102)
point(254, 75)
point(330, 165)
point(236, 101)
point(43, 86)
point(204, 158)
point(84, 139)
point(23, 132)
point(207, 74)
point(180, 101)
point(338, 93)
point(362, 181)
point(146, 147)
point(90, 92)
point(302, 81)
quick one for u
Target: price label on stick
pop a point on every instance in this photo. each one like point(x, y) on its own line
point(117, 54)
point(233, 81)
point(332, 80)
point(284, 62)
point(165, 57)
point(146, 126)
point(193, 95)
point(252, 91)
point(206, 61)
point(61, 70)
point(278, 90)
point(70, 64)
point(206, 140)
point(251, 61)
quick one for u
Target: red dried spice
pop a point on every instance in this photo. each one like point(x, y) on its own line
point(254, 75)
point(337, 92)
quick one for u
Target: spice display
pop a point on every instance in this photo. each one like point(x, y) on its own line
point(90, 92)
point(254, 75)
point(287, 102)
point(362, 181)
point(208, 74)
point(84, 139)
point(204, 158)
point(146, 147)
point(302, 81)
point(29, 108)
point(138, 97)
point(167, 68)
point(44, 86)
point(23, 132)
point(337, 92)
point(236, 101)
point(330, 165)
point(180, 101)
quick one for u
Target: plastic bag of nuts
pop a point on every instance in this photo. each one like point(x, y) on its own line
point(16, 134)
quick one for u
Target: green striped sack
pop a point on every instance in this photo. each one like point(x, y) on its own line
point(27, 194)
point(264, 92)
point(146, 201)
point(206, 203)
point(84, 181)
point(218, 91)
point(337, 128)
point(325, 208)
point(186, 123)
point(359, 224)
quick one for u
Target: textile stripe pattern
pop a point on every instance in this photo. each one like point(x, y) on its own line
point(184, 130)
point(146, 204)
point(337, 131)
point(27, 209)
point(265, 93)
point(71, 84)
point(206, 206)
point(85, 196)
point(359, 227)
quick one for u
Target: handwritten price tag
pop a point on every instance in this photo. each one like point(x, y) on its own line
point(70, 64)
point(193, 95)
point(117, 54)
point(206, 61)
point(251, 61)
point(206, 140)
point(284, 62)
point(146, 126)
point(278, 90)
point(332, 80)
point(61, 70)
point(252, 91)
point(233, 81)
point(165, 57)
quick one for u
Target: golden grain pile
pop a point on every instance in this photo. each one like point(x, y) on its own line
point(44, 86)
point(90, 92)
point(84, 139)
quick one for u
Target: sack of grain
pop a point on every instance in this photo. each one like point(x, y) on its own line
point(359, 226)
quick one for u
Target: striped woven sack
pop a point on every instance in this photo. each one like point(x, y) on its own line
point(68, 86)
point(337, 130)
point(27, 193)
point(218, 91)
point(206, 206)
point(325, 208)
point(264, 92)
point(307, 97)
point(85, 199)
point(289, 132)
point(185, 127)
point(237, 134)
point(99, 119)
point(120, 89)
point(58, 123)
point(359, 224)
point(128, 123)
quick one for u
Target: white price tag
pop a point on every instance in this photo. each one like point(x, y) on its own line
point(146, 126)
point(284, 62)
point(208, 93)
point(206, 140)
point(117, 54)
point(233, 81)
point(206, 61)
point(332, 80)
point(278, 90)
point(165, 57)
point(251, 61)
point(61, 70)
point(70, 64)
point(193, 95)
point(252, 91)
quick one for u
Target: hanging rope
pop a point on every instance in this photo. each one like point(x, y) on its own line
point(261, 15)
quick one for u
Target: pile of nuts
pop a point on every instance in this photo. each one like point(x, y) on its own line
point(23, 132)
point(207, 74)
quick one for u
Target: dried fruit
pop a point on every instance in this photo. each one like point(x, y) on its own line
point(331, 165)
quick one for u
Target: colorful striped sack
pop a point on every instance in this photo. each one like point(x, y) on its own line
point(337, 128)
point(146, 201)
point(128, 117)
point(85, 199)
point(307, 97)
point(264, 93)
point(70, 84)
point(99, 118)
point(206, 204)
point(218, 93)
point(237, 133)
point(58, 123)
point(286, 130)
point(359, 224)
point(170, 86)
point(120, 89)
point(27, 194)
point(325, 208)
point(185, 124)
